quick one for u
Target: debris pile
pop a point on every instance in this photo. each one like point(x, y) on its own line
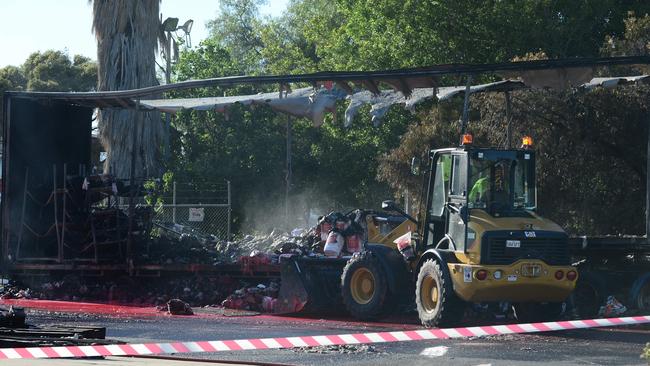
point(10, 290)
point(342, 349)
point(335, 235)
point(197, 291)
point(185, 244)
point(12, 317)
point(260, 298)
point(177, 307)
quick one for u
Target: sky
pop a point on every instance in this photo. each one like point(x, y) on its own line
point(40, 25)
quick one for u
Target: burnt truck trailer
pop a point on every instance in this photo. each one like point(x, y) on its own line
point(611, 266)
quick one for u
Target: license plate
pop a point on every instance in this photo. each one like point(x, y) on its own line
point(531, 270)
point(513, 244)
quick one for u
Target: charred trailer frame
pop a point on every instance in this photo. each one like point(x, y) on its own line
point(40, 138)
point(48, 191)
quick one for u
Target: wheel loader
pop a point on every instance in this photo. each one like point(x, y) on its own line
point(479, 239)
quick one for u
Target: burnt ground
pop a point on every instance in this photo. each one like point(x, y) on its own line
point(605, 346)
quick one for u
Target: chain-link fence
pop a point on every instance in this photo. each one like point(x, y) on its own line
point(209, 218)
point(205, 207)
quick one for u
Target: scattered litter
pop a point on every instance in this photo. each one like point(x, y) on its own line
point(261, 298)
point(434, 351)
point(342, 349)
point(10, 290)
point(612, 308)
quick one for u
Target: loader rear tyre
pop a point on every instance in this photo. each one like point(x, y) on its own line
point(589, 295)
point(641, 293)
point(364, 287)
point(538, 312)
point(437, 303)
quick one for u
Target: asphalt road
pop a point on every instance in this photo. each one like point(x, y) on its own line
point(605, 346)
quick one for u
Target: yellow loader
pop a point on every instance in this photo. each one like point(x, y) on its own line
point(478, 240)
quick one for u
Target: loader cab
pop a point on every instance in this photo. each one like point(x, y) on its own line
point(465, 180)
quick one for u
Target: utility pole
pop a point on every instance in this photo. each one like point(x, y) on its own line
point(168, 80)
point(289, 173)
point(647, 187)
point(463, 121)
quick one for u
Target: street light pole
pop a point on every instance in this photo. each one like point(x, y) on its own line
point(168, 44)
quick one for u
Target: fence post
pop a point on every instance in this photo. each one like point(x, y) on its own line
point(174, 202)
point(229, 210)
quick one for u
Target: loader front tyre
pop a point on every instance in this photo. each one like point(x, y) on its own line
point(437, 303)
point(364, 287)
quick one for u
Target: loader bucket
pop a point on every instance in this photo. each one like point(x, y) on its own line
point(310, 285)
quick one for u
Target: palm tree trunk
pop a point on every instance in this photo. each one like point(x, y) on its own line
point(126, 32)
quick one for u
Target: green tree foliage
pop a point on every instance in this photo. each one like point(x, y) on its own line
point(55, 71)
point(49, 71)
point(395, 33)
point(12, 78)
point(293, 41)
point(635, 40)
point(237, 29)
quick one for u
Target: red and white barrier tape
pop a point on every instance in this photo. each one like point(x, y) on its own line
point(321, 340)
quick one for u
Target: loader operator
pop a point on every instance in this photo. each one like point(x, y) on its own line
point(479, 191)
point(491, 177)
point(478, 195)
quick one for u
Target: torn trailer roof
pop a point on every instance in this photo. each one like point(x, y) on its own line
point(570, 72)
point(314, 103)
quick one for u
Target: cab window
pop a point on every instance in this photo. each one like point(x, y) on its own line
point(441, 185)
point(459, 176)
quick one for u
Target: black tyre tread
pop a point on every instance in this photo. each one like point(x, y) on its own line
point(538, 312)
point(382, 303)
point(451, 307)
point(599, 285)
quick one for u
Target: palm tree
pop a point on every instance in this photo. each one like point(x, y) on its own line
point(127, 33)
